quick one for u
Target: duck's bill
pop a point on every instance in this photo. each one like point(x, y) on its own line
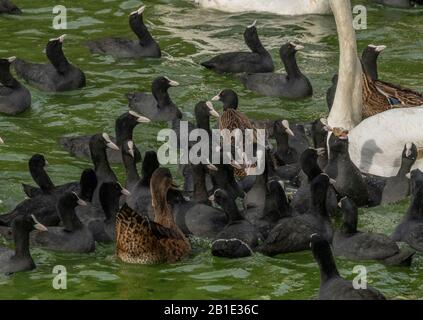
point(380, 48)
point(61, 39)
point(298, 47)
point(140, 118)
point(125, 192)
point(1, 141)
point(112, 146)
point(212, 167)
point(11, 59)
point(82, 203)
point(37, 225)
point(252, 25)
point(211, 198)
point(172, 83)
point(216, 98)
point(212, 111)
point(139, 11)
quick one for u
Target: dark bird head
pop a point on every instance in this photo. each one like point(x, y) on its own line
point(88, 183)
point(54, 53)
point(252, 39)
point(6, 77)
point(37, 161)
point(228, 97)
point(289, 50)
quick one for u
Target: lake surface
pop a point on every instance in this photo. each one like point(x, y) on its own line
point(187, 35)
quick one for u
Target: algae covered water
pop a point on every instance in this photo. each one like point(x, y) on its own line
point(187, 35)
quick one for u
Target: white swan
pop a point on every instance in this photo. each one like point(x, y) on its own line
point(375, 144)
point(282, 7)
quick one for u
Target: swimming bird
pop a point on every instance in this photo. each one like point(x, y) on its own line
point(310, 167)
point(349, 181)
point(144, 47)
point(281, 7)
point(57, 75)
point(158, 106)
point(13, 261)
point(292, 233)
point(376, 143)
point(369, 60)
point(410, 229)
point(125, 124)
point(84, 187)
point(238, 230)
point(7, 6)
point(332, 285)
point(72, 236)
point(258, 60)
point(294, 84)
point(398, 187)
point(142, 241)
point(98, 145)
point(232, 119)
point(103, 227)
point(198, 217)
point(384, 190)
point(355, 245)
point(140, 198)
point(14, 97)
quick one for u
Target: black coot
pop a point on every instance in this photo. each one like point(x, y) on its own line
point(58, 75)
point(293, 84)
point(144, 47)
point(259, 60)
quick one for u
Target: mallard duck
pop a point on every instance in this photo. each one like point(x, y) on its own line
point(142, 241)
point(232, 119)
point(379, 96)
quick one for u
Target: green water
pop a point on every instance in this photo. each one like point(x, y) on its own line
point(187, 35)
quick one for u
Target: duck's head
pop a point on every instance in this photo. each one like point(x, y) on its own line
point(409, 153)
point(161, 84)
point(252, 39)
point(289, 49)
point(228, 97)
point(37, 161)
point(6, 77)
point(205, 109)
point(282, 128)
point(126, 123)
point(161, 182)
point(102, 141)
point(137, 14)
point(88, 183)
point(220, 197)
point(54, 51)
point(372, 51)
point(110, 193)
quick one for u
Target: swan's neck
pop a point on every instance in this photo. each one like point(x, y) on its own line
point(347, 105)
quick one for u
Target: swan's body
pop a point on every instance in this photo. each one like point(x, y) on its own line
point(376, 143)
point(282, 7)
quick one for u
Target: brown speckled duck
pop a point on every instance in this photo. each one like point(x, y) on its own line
point(379, 96)
point(142, 241)
point(232, 118)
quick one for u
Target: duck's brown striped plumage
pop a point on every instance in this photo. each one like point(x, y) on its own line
point(232, 119)
point(142, 241)
point(379, 96)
